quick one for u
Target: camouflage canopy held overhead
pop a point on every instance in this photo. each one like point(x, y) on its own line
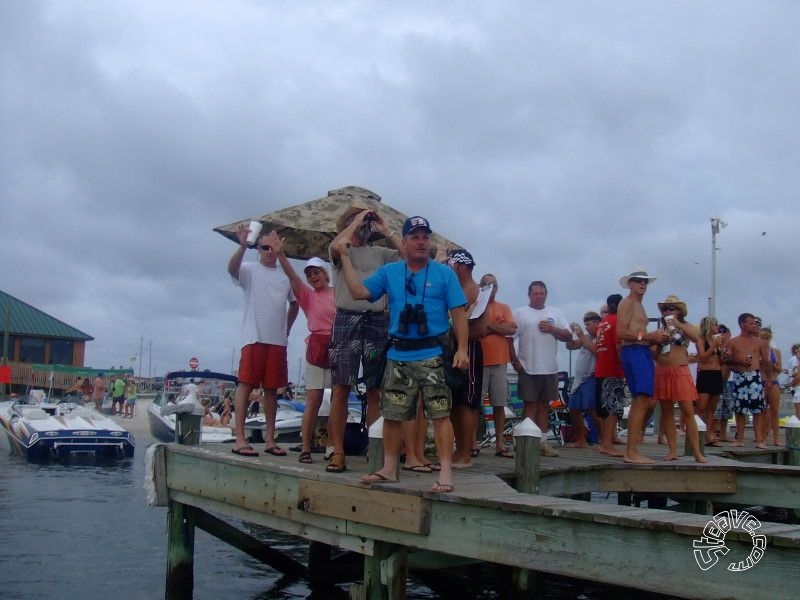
point(309, 227)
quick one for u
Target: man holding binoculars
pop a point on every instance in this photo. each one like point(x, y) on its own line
point(421, 294)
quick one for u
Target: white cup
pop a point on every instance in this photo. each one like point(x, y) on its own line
point(255, 229)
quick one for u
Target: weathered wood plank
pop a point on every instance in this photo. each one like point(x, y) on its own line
point(392, 511)
point(662, 481)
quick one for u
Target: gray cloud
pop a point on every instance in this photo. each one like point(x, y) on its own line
point(560, 143)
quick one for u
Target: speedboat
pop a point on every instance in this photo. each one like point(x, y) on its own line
point(288, 421)
point(289, 417)
point(41, 429)
point(189, 387)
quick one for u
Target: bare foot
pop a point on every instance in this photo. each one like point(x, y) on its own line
point(378, 478)
point(638, 459)
point(738, 444)
point(761, 445)
point(576, 445)
point(700, 458)
point(465, 465)
point(611, 452)
point(670, 456)
point(661, 441)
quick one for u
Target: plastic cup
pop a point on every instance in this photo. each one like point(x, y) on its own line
point(255, 230)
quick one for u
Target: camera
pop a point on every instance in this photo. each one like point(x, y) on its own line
point(370, 216)
point(413, 314)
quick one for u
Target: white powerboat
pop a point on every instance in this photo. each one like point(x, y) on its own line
point(185, 387)
point(41, 429)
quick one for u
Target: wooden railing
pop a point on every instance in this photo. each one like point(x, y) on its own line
point(23, 375)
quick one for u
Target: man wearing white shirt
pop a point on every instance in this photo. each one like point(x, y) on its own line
point(270, 309)
point(539, 329)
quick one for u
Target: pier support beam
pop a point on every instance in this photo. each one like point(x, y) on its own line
point(527, 439)
point(180, 552)
point(386, 572)
point(793, 448)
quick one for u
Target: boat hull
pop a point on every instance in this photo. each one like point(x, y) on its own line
point(63, 431)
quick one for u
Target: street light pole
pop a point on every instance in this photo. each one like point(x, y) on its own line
point(716, 224)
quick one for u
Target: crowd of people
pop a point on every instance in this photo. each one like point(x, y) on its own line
point(122, 392)
point(427, 344)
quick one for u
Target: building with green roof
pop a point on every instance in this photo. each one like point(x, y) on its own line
point(36, 337)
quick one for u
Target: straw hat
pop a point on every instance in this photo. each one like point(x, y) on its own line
point(640, 272)
point(672, 300)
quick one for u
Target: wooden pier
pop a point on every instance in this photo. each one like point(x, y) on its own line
point(487, 519)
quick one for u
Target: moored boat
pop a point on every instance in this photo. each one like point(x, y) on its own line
point(41, 430)
point(189, 387)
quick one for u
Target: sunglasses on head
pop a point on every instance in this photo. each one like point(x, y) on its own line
point(638, 280)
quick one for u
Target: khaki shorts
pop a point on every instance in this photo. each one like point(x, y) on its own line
point(402, 383)
point(317, 378)
point(538, 388)
point(495, 385)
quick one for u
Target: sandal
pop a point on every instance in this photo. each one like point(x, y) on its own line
point(442, 488)
point(337, 463)
point(305, 458)
point(475, 452)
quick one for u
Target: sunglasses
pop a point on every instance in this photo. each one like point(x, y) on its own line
point(638, 280)
point(411, 287)
point(265, 247)
point(668, 308)
point(723, 330)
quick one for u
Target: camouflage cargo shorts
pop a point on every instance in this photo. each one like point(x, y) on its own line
point(402, 383)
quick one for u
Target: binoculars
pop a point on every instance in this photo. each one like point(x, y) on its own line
point(413, 314)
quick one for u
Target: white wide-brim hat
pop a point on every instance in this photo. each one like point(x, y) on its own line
point(636, 272)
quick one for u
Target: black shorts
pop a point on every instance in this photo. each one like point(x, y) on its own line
point(709, 382)
point(470, 393)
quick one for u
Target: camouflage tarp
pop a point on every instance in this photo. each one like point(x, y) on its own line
point(309, 227)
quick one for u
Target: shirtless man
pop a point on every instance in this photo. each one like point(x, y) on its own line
point(748, 357)
point(467, 400)
point(637, 361)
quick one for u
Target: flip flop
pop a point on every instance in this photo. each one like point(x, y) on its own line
point(504, 454)
point(419, 469)
point(376, 478)
point(275, 451)
point(715, 444)
point(305, 458)
point(434, 466)
point(475, 452)
point(245, 451)
point(442, 488)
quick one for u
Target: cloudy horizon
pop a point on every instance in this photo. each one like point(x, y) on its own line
point(565, 142)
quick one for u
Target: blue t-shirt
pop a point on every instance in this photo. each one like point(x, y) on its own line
point(442, 292)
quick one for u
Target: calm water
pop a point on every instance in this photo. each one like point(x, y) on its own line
point(85, 531)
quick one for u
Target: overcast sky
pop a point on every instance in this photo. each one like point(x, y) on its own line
point(562, 141)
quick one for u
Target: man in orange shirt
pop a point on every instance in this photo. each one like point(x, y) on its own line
point(496, 356)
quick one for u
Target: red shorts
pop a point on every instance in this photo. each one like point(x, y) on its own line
point(675, 383)
point(264, 365)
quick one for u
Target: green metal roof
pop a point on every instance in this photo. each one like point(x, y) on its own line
point(27, 320)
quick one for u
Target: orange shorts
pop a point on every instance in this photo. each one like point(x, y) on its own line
point(264, 365)
point(675, 383)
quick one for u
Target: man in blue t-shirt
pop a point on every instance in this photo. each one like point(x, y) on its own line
point(422, 294)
